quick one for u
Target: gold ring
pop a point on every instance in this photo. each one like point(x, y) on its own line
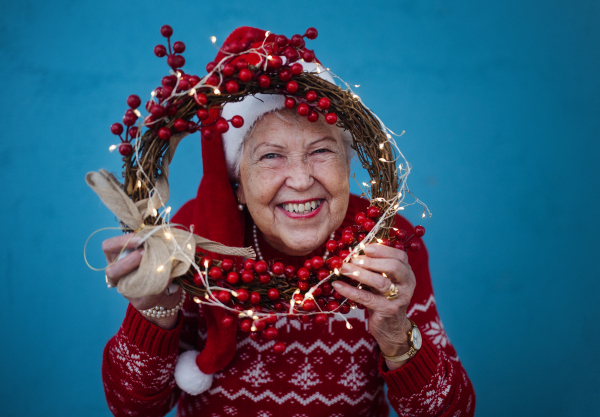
point(392, 293)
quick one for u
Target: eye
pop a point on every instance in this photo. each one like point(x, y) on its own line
point(322, 150)
point(270, 156)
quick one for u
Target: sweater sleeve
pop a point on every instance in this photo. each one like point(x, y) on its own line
point(139, 363)
point(433, 382)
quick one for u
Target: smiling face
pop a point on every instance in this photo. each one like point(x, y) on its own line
point(294, 181)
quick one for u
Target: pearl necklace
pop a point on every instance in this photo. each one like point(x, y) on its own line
point(259, 253)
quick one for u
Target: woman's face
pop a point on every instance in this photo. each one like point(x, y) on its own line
point(294, 181)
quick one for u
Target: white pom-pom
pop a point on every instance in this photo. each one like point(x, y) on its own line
point(188, 376)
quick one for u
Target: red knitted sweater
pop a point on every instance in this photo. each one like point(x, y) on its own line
point(326, 370)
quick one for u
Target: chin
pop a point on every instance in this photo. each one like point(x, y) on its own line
point(300, 244)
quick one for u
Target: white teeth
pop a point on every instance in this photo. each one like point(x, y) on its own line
point(307, 207)
point(295, 208)
point(302, 207)
point(313, 204)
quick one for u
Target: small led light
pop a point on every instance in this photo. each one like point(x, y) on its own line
point(168, 235)
point(217, 91)
point(139, 183)
point(389, 136)
point(197, 300)
point(160, 268)
point(267, 33)
point(189, 246)
point(153, 93)
point(206, 264)
point(154, 212)
point(255, 317)
point(354, 96)
point(249, 313)
point(253, 328)
point(234, 293)
point(383, 160)
point(362, 246)
point(213, 39)
point(112, 147)
point(383, 273)
point(401, 208)
point(356, 273)
point(361, 262)
point(270, 57)
point(348, 326)
point(168, 209)
point(137, 112)
point(423, 215)
point(336, 271)
point(381, 146)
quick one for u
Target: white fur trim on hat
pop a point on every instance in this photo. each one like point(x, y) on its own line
point(188, 376)
point(251, 109)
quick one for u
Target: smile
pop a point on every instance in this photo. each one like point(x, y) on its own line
point(301, 208)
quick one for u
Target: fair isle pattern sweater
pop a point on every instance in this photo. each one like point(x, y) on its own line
point(327, 370)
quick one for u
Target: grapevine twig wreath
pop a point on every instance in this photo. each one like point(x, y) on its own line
point(256, 291)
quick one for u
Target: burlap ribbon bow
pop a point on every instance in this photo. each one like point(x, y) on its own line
point(169, 252)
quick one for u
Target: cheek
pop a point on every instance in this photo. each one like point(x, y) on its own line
point(262, 185)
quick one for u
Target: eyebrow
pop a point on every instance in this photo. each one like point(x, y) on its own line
point(276, 145)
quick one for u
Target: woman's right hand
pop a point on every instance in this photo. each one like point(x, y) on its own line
point(117, 269)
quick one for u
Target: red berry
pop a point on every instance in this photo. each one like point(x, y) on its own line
point(202, 114)
point(134, 101)
point(414, 245)
point(157, 111)
point(303, 109)
point(291, 55)
point(233, 277)
point(399, 245)
point(206, 261)
point(292, 87)
point(179, 47)
point(172, 61)
point(400, 234)
point(345, 309)
point(419, 231)
point(264, 81)
point(298, 297)
point(313, 116)
point(180, 125)
point(317, 291)
point(164, 133)
point(237, 121)
point(273, 294)
point(303, 285)
point(305, 318)
point(297, 41)
point(281, 40)
point(331, 245)
point(279, 347)
point(125, 148)
point(249, 264)
point(317, 262)
point(271, 333)
point(361, 237)
point(160, 51)
point(210, 66)
point(198, 281)
point(344, 254)
point(327, 288)
point(245, 75)
point(290, 103)
point(360, 218)
point(241, 64)
point(331, 118)
point(333, 306)
point(309, 305)
point(166, 31)
point(336, 262)
point(133, 131)
point(279, 306)
point(232, 87)
point(285, 74)
point(171, 110)
point(337, 295)
point(308, 264)
point(373, 212)
point(184, 85)
point(311, 95)
point(260, 325)
point(255, 336)
point(271, 319)
point(247, 276)
point(348, 238)
point(368, 225)
point(116, 128)
point(297, 69)
point(264, 278)
point(169, 81)
point(227, 264)
point(254, 297)
point(192, 127)
point(311, 33)
point(213, 80)
point(303, 274)
point(194, 79)
point(321, 319)
point(222, 125)
point(260, 267)
point(322, 274)
point(275, 62)
point(166, 92)
point(308, 55)
point(207, 133)
point(246, 325)
point(289, 271)
point(386, 242)
point(277, 268)
point(224, 296)
point(228, 70)
point(324, 103)
point(243, 295)
point(227, 321)
point(215, 272)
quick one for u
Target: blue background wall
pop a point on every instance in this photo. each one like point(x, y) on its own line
point(500, 102)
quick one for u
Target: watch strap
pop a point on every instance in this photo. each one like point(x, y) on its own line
point(411, 352)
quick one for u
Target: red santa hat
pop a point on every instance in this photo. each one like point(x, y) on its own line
point(215, 215)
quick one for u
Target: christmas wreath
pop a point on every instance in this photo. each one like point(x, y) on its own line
point(256, 291)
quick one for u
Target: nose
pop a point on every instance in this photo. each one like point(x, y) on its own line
point(299, 174)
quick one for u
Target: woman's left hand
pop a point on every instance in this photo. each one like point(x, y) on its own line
point(379, 268)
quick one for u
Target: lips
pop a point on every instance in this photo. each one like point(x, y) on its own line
point(302, 208)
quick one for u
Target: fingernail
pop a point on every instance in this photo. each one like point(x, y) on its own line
point(142, 252)
point(337, 285)
point(369, 250)
point(345, 268)
point(135, 239)
point(357, 261)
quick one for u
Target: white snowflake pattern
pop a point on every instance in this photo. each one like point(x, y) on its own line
point(436, 332)
point(330, 375)
point(264, 414)
point(353, 377)
point(281, 374)
point(230, 410)
point(256, 374)
point(338, 360)
point(306, 378)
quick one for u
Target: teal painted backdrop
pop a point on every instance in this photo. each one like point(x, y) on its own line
point(500, 103)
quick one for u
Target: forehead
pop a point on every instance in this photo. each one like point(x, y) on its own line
point(287, 128)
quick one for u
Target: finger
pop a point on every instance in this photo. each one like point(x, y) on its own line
point(114, 245)
point(393, 268)
point(372, 279)
point(375, 250)
point(369, 300)
point(124, 266)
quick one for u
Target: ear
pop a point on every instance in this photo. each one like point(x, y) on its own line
point(239, 193)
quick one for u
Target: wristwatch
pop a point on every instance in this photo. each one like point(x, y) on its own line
point(414, 341)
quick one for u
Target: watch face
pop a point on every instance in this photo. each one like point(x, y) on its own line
point(417, 341)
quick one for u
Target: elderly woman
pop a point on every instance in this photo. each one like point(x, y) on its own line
point(283, 188)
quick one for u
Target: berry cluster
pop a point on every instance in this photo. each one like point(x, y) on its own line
point(254, 287)
point(274, 59)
